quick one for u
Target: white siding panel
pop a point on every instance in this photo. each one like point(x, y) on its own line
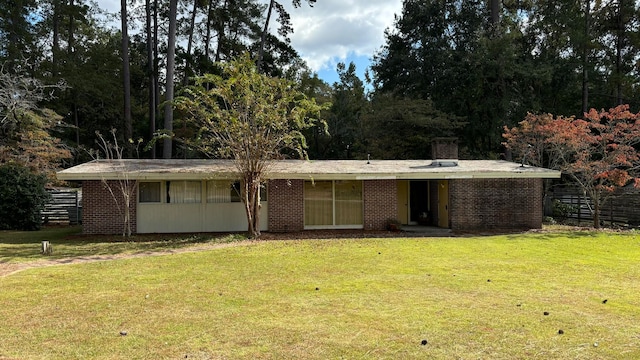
point(186, 218)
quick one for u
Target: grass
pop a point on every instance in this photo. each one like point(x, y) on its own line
point(470, 298)
point(21, 247)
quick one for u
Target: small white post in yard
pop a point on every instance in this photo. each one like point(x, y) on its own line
point(47, 249)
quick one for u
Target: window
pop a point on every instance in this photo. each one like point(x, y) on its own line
point(348, 202)
point(224, 191)
point(149, 192)
point(184, 192)
point(218, 191)
point(318, 203)
point(333, 203)
point(236, 190)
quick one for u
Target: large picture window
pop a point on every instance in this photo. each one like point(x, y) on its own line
point(333, 203)
point(184, 192)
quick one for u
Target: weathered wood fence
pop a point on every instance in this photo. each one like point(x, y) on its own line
point(65, 207)
point(622, 208)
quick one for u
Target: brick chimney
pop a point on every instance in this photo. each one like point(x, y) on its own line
point(444, 151)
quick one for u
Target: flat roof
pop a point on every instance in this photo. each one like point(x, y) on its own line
point(192, 169)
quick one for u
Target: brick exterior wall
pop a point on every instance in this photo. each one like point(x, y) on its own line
point(100, 214)
point(286, 205)
point(495, 204)
point(380, 199)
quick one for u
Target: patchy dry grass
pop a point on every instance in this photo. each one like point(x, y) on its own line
point(21, 247)
point(469, 298)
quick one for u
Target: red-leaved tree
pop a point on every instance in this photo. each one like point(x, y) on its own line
point(598, 152)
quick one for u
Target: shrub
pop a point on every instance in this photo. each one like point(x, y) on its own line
point(393, 224)
point(23, 198)
point(561, 211)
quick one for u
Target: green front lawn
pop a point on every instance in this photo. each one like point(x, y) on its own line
point(21, 246)
point(469, 298)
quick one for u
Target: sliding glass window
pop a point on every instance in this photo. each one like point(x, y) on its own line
point(333, 203)
point(348, 202)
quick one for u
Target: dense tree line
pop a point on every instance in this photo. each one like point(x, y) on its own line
point(447, 68)
point(491, 62)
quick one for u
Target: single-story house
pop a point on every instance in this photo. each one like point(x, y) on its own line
point(175, 196)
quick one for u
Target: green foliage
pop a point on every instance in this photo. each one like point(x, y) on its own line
point(23, 197)
point(250, 118)
point(245, 115)
point(540, 56)
point(561, 211)
point(402, 128)
point(17, 40)
point(343, 136)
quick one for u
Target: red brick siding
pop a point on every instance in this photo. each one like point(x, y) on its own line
point(380, 203)
point(495, 204)
point(286, 205)
point(100, 214)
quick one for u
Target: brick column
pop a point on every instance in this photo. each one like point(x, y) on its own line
point(286, 205)
point(380, 203)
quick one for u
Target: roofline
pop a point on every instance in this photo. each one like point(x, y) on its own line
point(445, 175)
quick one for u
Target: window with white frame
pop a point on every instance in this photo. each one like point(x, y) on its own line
point(184, 192)
point(226, 191)
point(218, 191)
point(333, 203)
point(149, 192)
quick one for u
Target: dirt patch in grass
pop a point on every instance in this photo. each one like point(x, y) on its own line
point(7, 269)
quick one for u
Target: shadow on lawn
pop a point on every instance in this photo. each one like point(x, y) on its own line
point(68, 242)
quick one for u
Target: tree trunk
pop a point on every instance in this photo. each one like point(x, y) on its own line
point(156, 61)
point(207, 33)
point(263, 38)
point(171, 60)
point(192, 24)
point(596, 210)
point(152, 81)
point(220, 31)
point(126, 77)
point(495, 12)
point(251, 198)
point(585, 58)
point(71, 29)
point(619, 46)
point(75, 121)
point(55, 50)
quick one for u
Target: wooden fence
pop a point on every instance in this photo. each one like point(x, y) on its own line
point(65, 207)
point(622, 208)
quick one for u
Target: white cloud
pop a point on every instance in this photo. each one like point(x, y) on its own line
point(111, 6)
point(331, 30)
point(334, 30)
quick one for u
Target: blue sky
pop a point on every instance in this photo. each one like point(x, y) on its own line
point(330, 75)
point(332, 31)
